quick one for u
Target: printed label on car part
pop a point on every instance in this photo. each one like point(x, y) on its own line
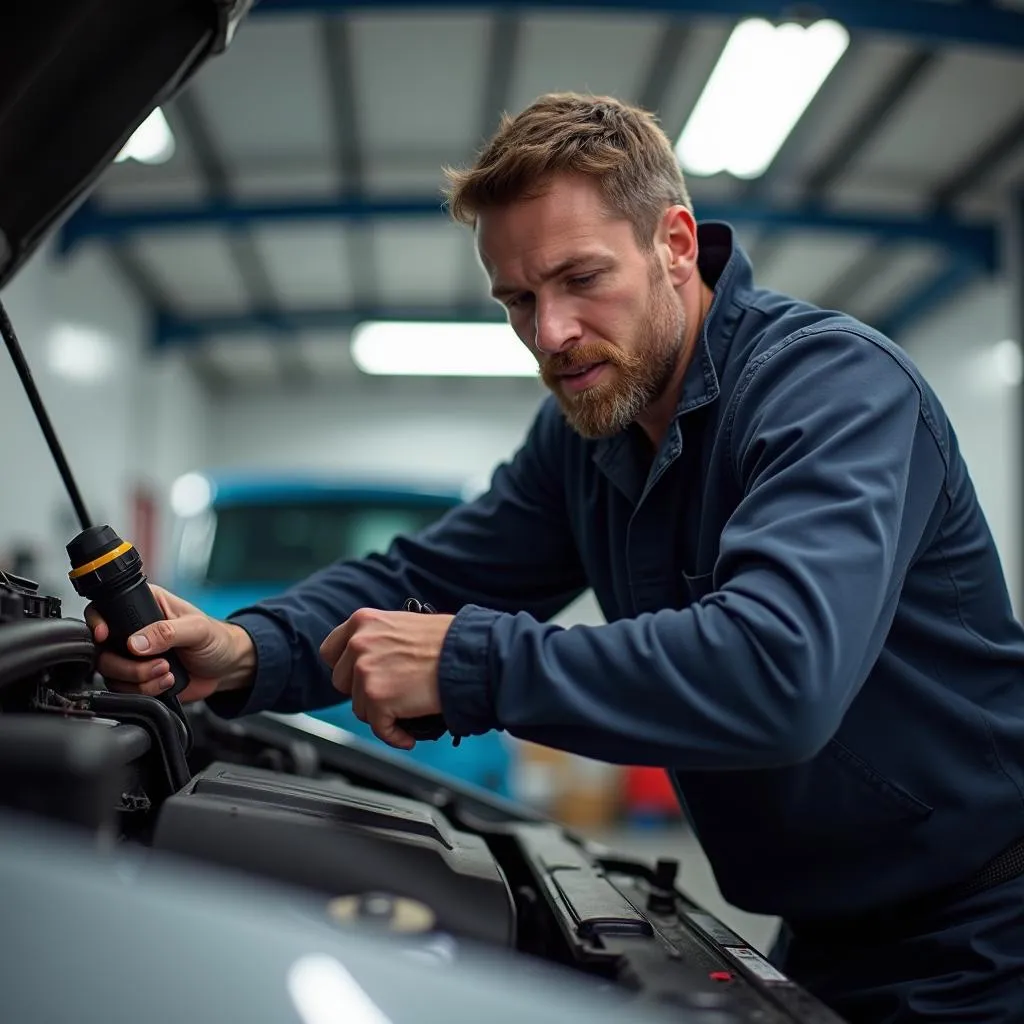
point(714, 929)
point(755, 963)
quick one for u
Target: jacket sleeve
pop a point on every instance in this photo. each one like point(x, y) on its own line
point(839, 475)
point(511, 549)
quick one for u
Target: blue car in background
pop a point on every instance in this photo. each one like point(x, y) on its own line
point(241, 538)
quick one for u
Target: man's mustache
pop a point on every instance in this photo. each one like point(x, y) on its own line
point(578, 357)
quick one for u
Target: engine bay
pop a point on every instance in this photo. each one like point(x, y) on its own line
point(385, 843)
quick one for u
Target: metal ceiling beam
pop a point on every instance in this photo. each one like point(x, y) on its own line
point(956, 275)
point(172, 329)
point(506, 35)
point(977, 241)
point(337, 47)
point(503, 46)
point(921, 21)
point(871, 120)
point(155, 296)
point(905, 78)
point(847, 148)
point(667, 58)
point(929, 296)
point(245, 255)
point(982, 163)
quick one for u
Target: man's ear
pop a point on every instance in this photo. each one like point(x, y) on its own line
point(677, 233)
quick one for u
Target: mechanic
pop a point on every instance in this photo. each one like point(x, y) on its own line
point(807, 619)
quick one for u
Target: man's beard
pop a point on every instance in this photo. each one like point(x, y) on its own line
point(638, 377)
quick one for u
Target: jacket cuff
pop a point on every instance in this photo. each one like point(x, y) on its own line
point(463, 677)
point(273, 666)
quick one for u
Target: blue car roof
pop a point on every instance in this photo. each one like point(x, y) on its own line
point(231, 488)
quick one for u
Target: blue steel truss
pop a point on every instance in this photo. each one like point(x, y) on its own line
point(929, 296)
point(978, 243)
point(922, 22)
point(171, 329)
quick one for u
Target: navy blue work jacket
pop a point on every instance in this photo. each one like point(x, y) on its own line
point(808, 623)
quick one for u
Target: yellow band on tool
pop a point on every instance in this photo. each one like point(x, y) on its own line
point(122, 549)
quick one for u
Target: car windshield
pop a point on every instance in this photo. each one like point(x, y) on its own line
point(283, 542)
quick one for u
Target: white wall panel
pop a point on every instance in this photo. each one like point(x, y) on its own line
point(955, 349)
point(171, 426)
point(136, 422)
point(91, 417)
point(387, 428)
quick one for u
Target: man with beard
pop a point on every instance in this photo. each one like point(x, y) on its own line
point(807, 620)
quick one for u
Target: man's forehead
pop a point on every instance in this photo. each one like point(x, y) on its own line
point(561, 253)
point(567, 209)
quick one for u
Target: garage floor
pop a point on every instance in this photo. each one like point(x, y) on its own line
point(695, 876)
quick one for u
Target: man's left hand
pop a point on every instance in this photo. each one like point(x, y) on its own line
point(387, 663)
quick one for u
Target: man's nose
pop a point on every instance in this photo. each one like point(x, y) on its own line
point(555, 328)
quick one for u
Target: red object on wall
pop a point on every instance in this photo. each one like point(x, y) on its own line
point(649, 791)
point(144, 524)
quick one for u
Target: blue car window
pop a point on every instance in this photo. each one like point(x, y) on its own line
point(285, 542)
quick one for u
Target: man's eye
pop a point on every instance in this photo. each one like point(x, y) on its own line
point(584, 280)
point(516, 301)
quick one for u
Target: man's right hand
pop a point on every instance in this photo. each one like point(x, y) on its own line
point(217, 655)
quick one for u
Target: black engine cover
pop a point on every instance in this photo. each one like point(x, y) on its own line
point(340, 840)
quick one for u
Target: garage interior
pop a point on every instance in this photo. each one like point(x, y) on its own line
point(196, 315)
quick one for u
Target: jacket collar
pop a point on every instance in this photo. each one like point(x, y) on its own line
point(725, 267)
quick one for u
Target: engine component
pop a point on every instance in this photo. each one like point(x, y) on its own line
point(392, 913)
point(20, 599)
point(66, 770)
point(340, 840)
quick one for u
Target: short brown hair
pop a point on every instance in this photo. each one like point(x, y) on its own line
point(622, 146)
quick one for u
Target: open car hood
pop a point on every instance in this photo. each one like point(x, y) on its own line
point(77, 77)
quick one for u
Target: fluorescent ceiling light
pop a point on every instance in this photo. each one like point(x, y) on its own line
point(441, 350)
point(190, 495)
point(152, 142)
point(80, 353)
point(762, 84)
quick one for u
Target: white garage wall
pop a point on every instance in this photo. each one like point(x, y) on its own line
point(171, 419)
point(412, 428)
point(119, 428)
point(958, 350)
point(91, 416)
